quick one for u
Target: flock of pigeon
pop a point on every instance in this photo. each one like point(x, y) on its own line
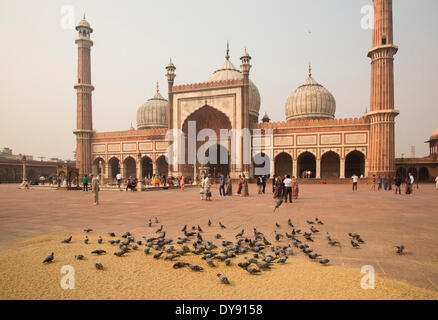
point(192, 242)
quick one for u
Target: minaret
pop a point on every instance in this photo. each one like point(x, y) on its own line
point(382, 112)
point(245, 67)
point(84, 89)
point(170, 75)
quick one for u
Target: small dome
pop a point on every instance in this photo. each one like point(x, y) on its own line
point(84, 24)
point(153, 113)
point(229, 72)
point(310, 100)
point(435, 134)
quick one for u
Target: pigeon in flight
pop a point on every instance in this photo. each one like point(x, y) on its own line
point(278, 204)
point(98, 266)
point(223, 278)
point(49, 258)
point(68, 240)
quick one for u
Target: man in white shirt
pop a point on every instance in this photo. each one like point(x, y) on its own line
point(355, 179)
point(287, 188)
point(119, 179)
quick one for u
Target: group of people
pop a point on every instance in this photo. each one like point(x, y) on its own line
point(385, 183)
point(285, 187)
point(225, 186)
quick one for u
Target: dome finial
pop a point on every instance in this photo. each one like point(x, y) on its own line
point(228, 51)
point(158, 88)
point(310, 69)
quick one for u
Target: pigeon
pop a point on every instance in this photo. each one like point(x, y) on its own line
point(252, 270)
point(134, 246)
point(289, 222)
point(150, 223)
point(49, 258)
point(310, 222)
point(334, 243)
point(160, 229)
point(98, 266)
point(400, 249)
point(99, 240)
point(184, 229)
point(179, 264)
point(329, 238)
point(218, 236)
point(112, 234)
point(209, 222)
point(313, 229)
point(282, 259)
point(99, 252)
point(278, 204)
point(226, 243)
point(313, 256)
point(86, 240)
point(289, 251)
point(79, 257)
point(158, 255)
point(88, 230)
point(244, 264)
point(221, 225)
point(146, 250)
point(68, 240)
point(324, 261)
point(210, 262)
point(223, 278)
point(360, 240)
point(119, 253)
point(318, 221)
point(227, 262)
point(156, 220)
point(277, 225)
point(199, 229)
point(263, 265)
point(354, 244)
point(171, 257)
point(240, 234)
point(194, 267)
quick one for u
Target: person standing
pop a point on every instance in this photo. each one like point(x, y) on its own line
point(398, 182)
point(411, 183)
point(260, 184)
point(95, 185)
point(373, 186)
point(239, 186)
point(379, 181)
point(202, 190)
point(264, 183)
point(119, 179)
point(278, 187)
point(222, 185)
point(385, 183)
point(287, 188)
point(355, 179)
point(245, 186)
point(294, 188)
point(229, 187)
point(273, 183)
point(182, 183)
point(208, 188)
point(85, 183)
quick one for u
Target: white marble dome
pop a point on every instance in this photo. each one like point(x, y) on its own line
point(229, 72)
point(310, 100)
point(153, 113)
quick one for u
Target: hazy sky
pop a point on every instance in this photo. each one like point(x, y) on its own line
point(133, 41)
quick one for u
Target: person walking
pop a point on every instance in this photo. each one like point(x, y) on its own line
point(95, 185)
point(156, 181)
point(379, 181)
point(288, 189)
point(119, 179)
point(295, 189)
point(385, 183)
point(229, 187)
point(208, 188)
point(398, 182)
point(222, 185)
point(355, 178)
point(245, 186)
point(263, 183)
point(260, 184)
point(85, 183)
point(373, 186)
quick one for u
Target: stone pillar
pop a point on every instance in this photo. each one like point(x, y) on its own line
point(122, 170)
point(272, 166)
point(342, 169)
point(107, 174)
point(195, 172)
point(295, 168)
point(24, 170)
point(154, 167)
point(139, 174)
point(102, 172)
point(367, 166)
point(318, 169)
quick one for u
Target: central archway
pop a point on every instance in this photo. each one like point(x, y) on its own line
point(330, 165)
point(207, 117)
point(306, 162)
point(129, 167)
point(283, 164)
point(355, 164)
point(146, 167)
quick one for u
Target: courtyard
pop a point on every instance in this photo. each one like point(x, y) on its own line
point(33, 223)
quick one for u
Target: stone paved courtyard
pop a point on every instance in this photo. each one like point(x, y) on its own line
point(383, 220)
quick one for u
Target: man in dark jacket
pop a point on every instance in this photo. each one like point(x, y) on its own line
point(397, 182)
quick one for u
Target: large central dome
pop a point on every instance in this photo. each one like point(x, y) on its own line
point(310, 100)
point(153, 113)
point(229, 72)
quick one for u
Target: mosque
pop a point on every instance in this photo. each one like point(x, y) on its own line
point(311, 139)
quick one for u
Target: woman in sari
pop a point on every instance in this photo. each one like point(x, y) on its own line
point(229, 190)
point(156, 181)
point(294, 188)
point(239, 186)
point(278, 188)
point(245, 187)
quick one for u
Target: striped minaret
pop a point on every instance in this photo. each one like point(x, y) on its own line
point(382, 112)
point(84, 89)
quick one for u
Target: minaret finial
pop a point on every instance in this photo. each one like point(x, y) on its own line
point(310, 69)
point(228, 51)
point(84, 16)
point(158, 89)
